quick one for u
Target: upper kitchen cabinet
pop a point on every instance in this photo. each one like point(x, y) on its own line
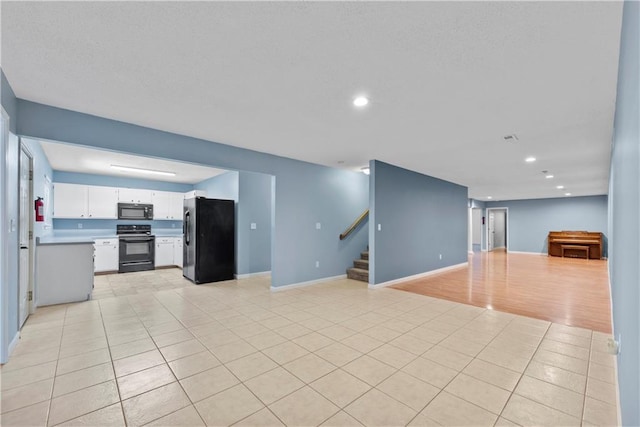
point(135, 195)
point(167, 205)
point(70, 201)
point(84, 201)
point(102, 202)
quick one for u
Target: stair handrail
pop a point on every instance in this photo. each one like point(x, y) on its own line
point(355, 225)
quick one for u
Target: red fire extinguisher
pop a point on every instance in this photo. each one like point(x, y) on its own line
point(40, 209)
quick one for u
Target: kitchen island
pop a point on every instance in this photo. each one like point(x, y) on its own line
point(64, 270)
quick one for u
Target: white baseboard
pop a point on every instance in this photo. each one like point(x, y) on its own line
point(309, 283)
point(470, 252)
point(246, 276)
point(527, 253)
point(13, 344)
point(419, 275)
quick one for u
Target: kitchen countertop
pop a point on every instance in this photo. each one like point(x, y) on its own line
point(67, 237)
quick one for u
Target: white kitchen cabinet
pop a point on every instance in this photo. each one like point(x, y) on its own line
point(164, 251)
point(160, 200)
point(195, 193)
point(176, 206)
point(102, 202)
point(134, 195)
point(69, 200)
point(167, 205)
point(177, 251)
point(106, 255)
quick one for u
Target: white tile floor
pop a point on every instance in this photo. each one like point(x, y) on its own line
point(153, 349)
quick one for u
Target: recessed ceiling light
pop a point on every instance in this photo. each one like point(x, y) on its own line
point(560, 187)
point(567, 194)
point(530, 159)
point(139, 170)
point(549, 176)
point(360, 101)
point(489, 197)
point(365, 170)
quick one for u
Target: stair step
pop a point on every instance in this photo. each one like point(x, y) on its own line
point(358, 274)
point(364, 255)
point(361, 263)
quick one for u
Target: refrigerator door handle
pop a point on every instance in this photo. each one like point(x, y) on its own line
point(187, 227)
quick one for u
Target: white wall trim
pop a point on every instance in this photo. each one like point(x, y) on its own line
point(309, 283)
point(527, 253)
point(419, 275)
point(13, 344)
point(246, 276)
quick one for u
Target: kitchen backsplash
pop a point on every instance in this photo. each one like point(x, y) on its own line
point(110, 224)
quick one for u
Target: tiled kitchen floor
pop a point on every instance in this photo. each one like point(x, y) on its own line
point(338, 354)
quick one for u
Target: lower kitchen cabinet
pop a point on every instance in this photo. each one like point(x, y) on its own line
point(164, 251)
point(177, 252)
point(105, 255)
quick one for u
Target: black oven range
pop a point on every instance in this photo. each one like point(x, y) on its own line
point(137, 248)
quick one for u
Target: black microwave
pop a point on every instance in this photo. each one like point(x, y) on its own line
point(135, 211)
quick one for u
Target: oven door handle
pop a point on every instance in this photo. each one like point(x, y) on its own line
point(136, 239)
point(187, 227)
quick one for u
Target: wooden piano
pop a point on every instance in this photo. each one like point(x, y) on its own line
point(575, 244)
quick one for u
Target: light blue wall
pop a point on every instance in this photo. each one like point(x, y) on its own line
point(254, 206)
point(8, 272)
point(223, 186)
point(624, 214)
point(119, 181)
point(530, 221)
point(107, 227)
point(9, 101)
point(421, 217)
point(42, 185)
point(305, 193)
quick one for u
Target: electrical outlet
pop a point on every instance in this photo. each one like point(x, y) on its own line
point(440, 256)
point(379, 227)
point(254, 226)
point(317, 264)
point(318, 226)
point(79, 225)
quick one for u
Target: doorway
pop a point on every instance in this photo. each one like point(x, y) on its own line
point(25, 272)
point(476, 230)
point(497, 229)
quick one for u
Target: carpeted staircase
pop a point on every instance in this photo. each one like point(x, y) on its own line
point(360, 269)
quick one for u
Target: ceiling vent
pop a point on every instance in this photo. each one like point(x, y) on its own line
point(511, 138)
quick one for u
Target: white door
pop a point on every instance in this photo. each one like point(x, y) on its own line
point(491, 232)
point(24, 275)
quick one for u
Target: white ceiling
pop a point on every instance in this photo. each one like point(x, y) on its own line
point(74, 158)
point(447, 80)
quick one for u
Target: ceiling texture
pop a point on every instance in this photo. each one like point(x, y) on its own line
point(447, 81)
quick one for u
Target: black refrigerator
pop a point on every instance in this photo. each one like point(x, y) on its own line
point(209, 240)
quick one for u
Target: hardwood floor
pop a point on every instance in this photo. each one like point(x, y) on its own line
point(569, 291)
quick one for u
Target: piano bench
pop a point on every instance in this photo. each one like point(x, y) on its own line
point(582, 248)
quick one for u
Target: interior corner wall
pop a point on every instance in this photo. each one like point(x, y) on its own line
point(416, 218)
point(530, 221)
point(253, 245)
point(9, 206)
point(42, 186)
point(305, 194)
point(624, 216)
point(223, 186)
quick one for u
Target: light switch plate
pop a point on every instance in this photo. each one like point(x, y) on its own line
point(318, 226)
point(254, 226)
point(379, 227)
